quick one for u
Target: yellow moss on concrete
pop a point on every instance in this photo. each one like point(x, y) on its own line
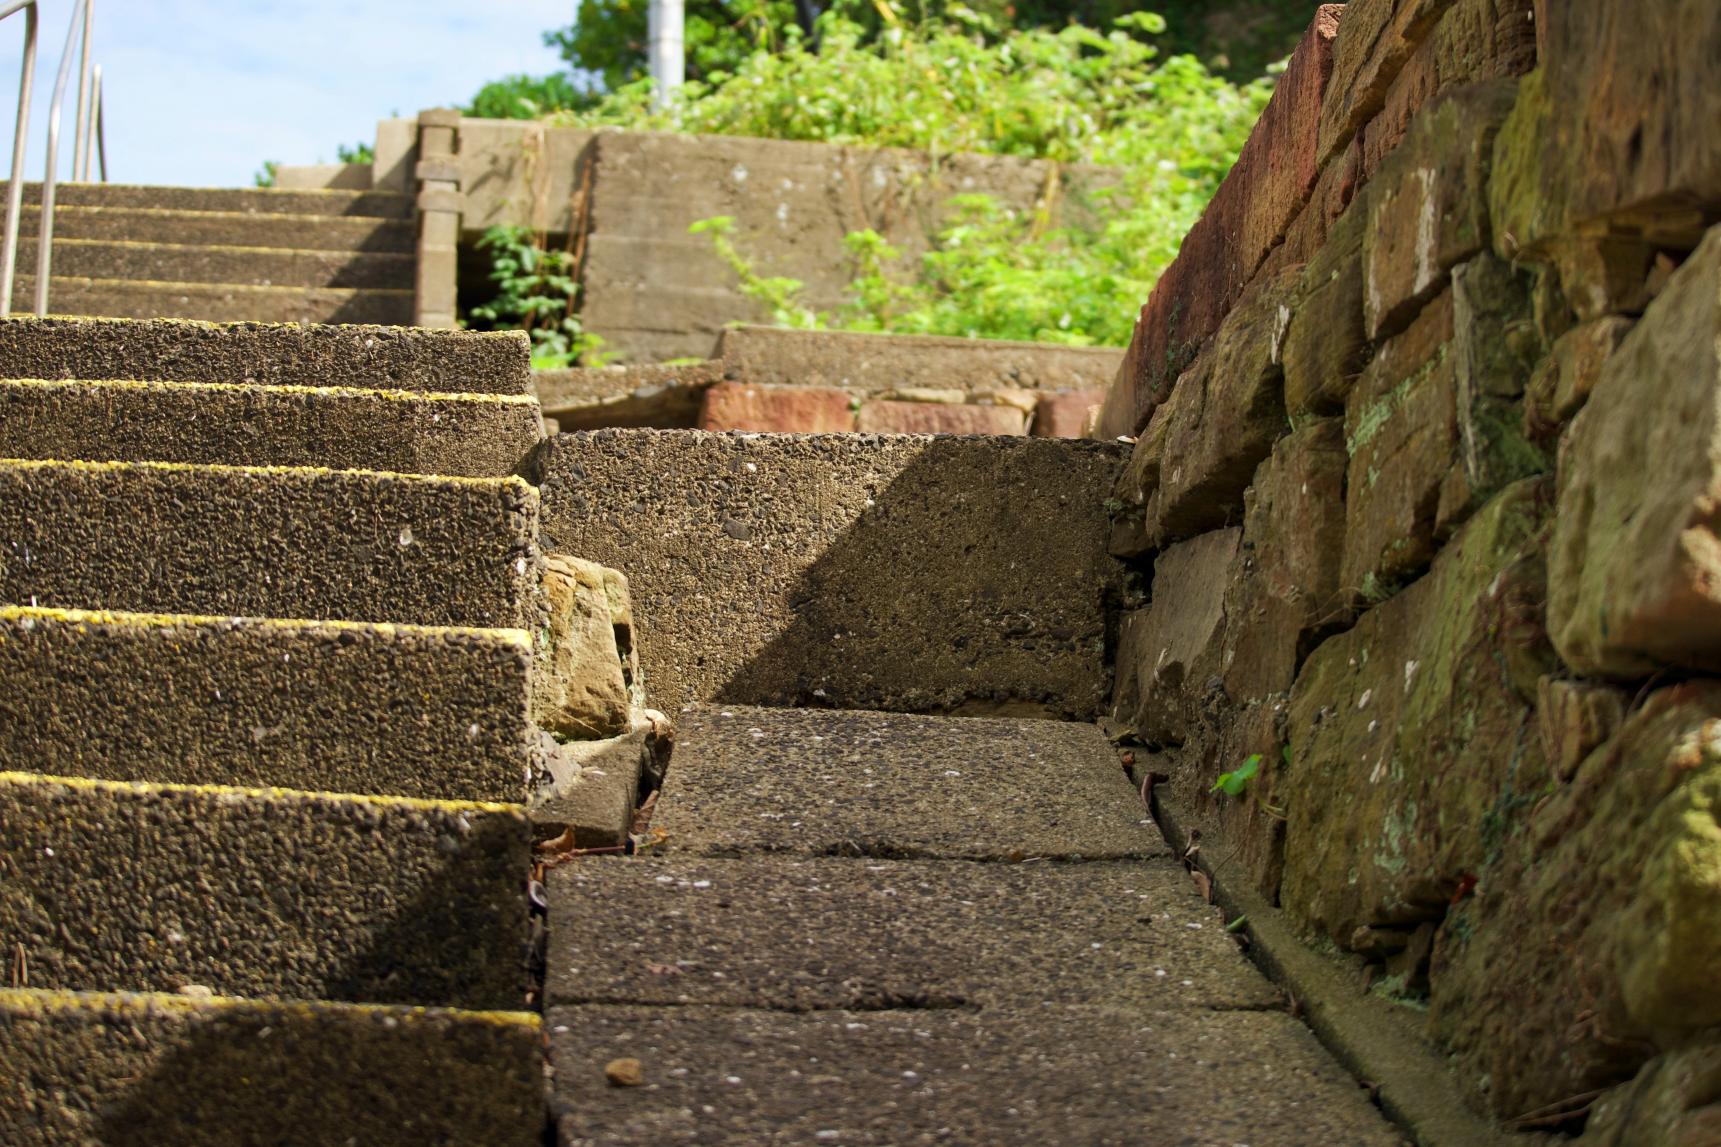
point(45, 1001)
point(233, 792)
point(513, 481)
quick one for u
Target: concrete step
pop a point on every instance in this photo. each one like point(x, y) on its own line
point(917, 573)
point(241, 266)
point(330, 706)
point(263, 892)
point(822, 783)
point(251, 200)
point(343, 428)
point(269, 542)
point(1026, 1077)
point(217, 302)
point(224, 229)
point(153, 1069)
point(803, 933)
point(175, 350)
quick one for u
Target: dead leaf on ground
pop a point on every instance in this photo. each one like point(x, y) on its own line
point(1202, 883)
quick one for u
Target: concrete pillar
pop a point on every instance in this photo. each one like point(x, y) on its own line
point(439, 207)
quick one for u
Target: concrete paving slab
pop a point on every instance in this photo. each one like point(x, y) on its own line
point(262, 892)
point(341, 428)
point(1052, 1075)
point(822, 933)
point(912, 573)
point(824, 782)
point(394, 710)
point(269, 354)
point(269, 542)
point(140, 1070)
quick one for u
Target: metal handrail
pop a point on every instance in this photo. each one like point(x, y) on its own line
point(82, 20)
point(15, 189)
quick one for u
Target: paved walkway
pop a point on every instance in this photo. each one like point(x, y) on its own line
point(881, 929)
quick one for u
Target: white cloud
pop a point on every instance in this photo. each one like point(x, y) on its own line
point(200, 92)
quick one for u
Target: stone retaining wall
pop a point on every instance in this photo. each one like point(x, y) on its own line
point(1425, 468)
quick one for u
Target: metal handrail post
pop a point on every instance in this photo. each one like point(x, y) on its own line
point(101, 128)
point(45, 237)
point(15, 189)
point(81, 145)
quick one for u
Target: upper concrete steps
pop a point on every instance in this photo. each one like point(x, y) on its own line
point(918, 573)
point(237, 266)
point(343, 428)
point(263, 892)
point(269, 542)
point(224, 228)
point(250, 200)
point(399, 710)
point(218, 302)
point(158, 1069)
point(275, 354)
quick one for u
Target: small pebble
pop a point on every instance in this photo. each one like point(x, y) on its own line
point(624, 1072)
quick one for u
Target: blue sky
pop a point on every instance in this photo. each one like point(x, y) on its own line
point(201, 92)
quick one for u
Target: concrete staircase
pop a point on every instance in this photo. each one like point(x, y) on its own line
point(223, 255)
point(264, 737)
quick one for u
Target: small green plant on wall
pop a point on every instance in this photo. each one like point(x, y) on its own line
point(537, 292)
point(1233, 783)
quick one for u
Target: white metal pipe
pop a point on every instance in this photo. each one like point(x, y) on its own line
point(50, 177)
point(667, 33)
point(15, 189)
point(86, 100)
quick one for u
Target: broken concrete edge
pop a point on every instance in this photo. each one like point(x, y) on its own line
point(1368, 1035)
point(234, 792)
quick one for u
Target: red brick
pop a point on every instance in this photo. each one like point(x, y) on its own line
point(781, 409)
point(940, 418)
point(1065, 415)
point(1254, 208)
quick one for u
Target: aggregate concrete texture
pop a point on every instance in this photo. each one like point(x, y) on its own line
point(154, 300)
point(1029, 1076)
point(818, 782)
point(207, 263)
point(268, 542)
point(409, 432)
point(272, 354)
point(335, 707)
point(259, 201)
point(144, 1070)
point(821, 933)
point(916, 573)
point(225, 228)
point(262, 892)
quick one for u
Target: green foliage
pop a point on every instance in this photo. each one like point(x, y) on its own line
point(265, 175)
point(1169, 129)
point(1234, 782)
point(528, 97)
point(777, 293)
point(360, 152)
point(536, 291)
point(608, 37)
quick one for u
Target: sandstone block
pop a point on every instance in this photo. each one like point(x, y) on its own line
point(1427, 205)
point(1220, 421)
point(1575, 718)
point(1375, 40)
point(888, 417)
point(584, 694)
point(1412, 732)
point(1564, 379)
point(1596, 939)
point(1604, 274)
point(776, 409)
point(1168, 652)
point(1635, 566)
point(1325, 345)
point(1670, 1103)
point(1065, 415)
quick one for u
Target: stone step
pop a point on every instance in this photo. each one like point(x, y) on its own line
point(800, 933)
point(342, 428)
point(217, 302)
point(273, 893)
point(329, 706)
point(274, 354)
point(821, 782)
point(240, 266)
point(251, 200)
point(155, 1069)
point(918, 573)
point(1025, 1077)
point(223, 228)
point(269, 542)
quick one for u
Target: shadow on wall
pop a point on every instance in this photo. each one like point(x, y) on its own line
point(957, 575)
